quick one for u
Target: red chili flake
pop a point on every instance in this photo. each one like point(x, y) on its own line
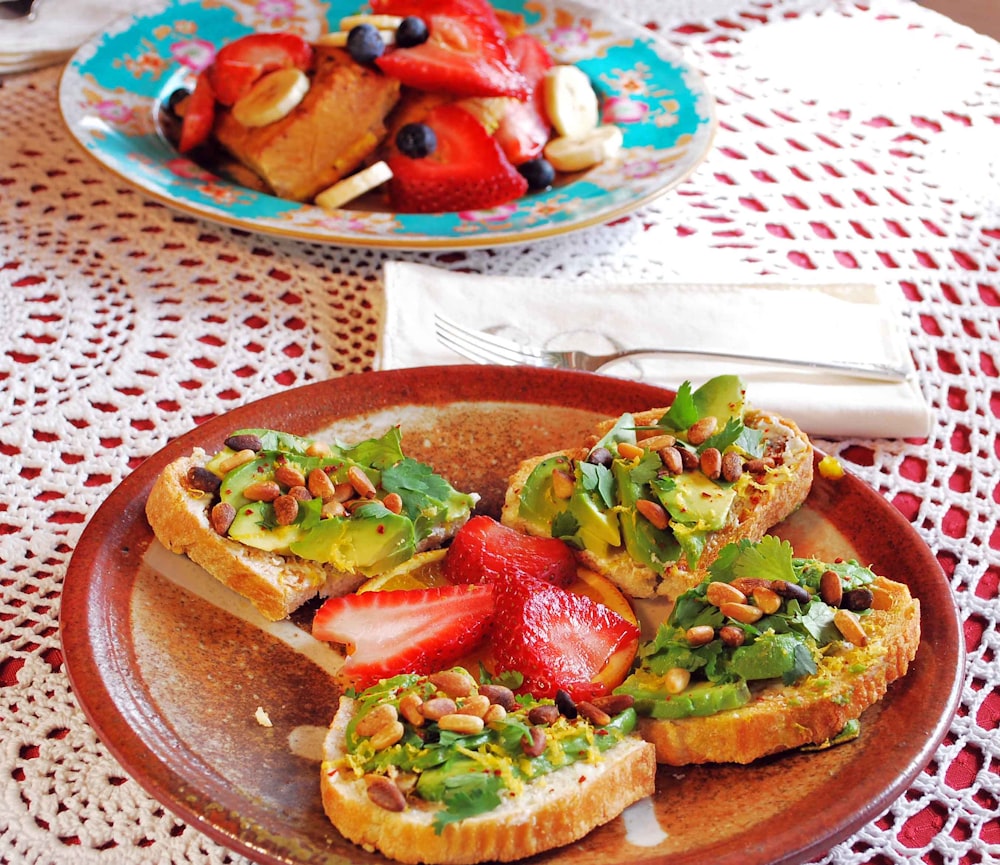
point(381, 528)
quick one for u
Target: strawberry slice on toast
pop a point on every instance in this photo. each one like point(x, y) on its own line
point(557, 639)
point(484, 550)
point(466, 53)
point(241, 62)
point(405, 631)
point(467, 170)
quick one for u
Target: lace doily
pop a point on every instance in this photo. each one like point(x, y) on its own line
point(853, 139)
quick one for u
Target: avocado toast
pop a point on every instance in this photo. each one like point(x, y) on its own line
point(654, 496)
point(281, 519)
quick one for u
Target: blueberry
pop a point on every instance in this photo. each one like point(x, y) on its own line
point(538, 172)
point(364, 43)
point(411, 31)
point(416, 140)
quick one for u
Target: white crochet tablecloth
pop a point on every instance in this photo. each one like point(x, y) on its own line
point(855, 140)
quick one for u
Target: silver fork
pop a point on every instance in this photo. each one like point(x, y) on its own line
point(484, 347)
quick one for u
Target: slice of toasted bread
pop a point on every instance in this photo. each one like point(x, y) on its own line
point(765, 500)
point(339, 124)
point(812, 711)
point(277, 585)
point(553, 810)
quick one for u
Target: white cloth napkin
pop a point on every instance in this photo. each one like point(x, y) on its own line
point(847, 322)
point(55, 30)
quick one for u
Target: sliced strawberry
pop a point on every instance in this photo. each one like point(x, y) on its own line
point(240, 63)
point(556, 639)
point(466, 53)
point(404, 631)
point(524, 129)
point(199, 115)
point(467, 171)
point(484, 550)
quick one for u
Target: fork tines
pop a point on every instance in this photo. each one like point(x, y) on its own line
point(480, 346)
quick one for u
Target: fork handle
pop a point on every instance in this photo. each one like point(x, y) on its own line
point(873, 371)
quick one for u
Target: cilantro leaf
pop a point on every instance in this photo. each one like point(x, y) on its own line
point(683, 412)
point(565, 526)
point(598, 479)
point(770, 558)
point(646, 469)
point(724, 437)
point(378, 453)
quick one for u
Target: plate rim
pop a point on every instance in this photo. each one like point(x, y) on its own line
point(544, 230)
point(121, 515)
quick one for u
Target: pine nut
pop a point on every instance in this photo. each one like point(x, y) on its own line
point(222, 517)
point(244, 442)
point(749, 585)
point(700, 431)
point(563, 484)
point(676, 679)
point(343, 492)
point(689, 459)
point(700, 635)
point(831, 590)
point(201, 479)
point(333, 509)
point(732, 466)
point(614, 704)
point(597, 717)
point(731, 636)
point(236, 460)
point(494, 714)
point(437, 707)
point(384, 793)
point(393, 503)
point(850, 628)
point(533, 744)
point(711, 463)
point(387, 736)
point(629, 451)
point(499, 694)
point(453, 682)
point(409, 708)
point(361, 482)
point(656, 442)
point(767, 600)
point(464, 725)
point(286, 509)
point(262, 491)
point(475, 704)
point(858, 599)
point(320, 485)
point(718, 593)
point(300, 494)
point(547, 713)
point(654, 512)
point(671, 459)
point(745, 613)
point(318, 449)
point(289, 476)
point(376, 719)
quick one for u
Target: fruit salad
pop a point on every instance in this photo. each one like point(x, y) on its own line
point(438, 105)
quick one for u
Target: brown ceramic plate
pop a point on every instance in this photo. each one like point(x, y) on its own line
point(171, 684)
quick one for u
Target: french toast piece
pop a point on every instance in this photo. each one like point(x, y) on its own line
point(780, 717)
point(337, 126)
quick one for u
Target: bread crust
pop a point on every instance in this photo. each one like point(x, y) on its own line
point(277, 585)
point(750, 518)
point(812, 711)
point(553, 811)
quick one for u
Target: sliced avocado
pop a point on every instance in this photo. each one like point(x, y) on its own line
point(721, 397)
point(772, 656)
point(538, 504)
point(648, 545)
point(622, 431)
point(254, 526)
point(695, 499)
point(371, 540)
point(599, 530)
point(696, 701)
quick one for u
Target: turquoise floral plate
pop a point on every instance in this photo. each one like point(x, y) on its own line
point(112, 90)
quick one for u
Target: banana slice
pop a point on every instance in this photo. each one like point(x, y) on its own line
point(576, 154)
point(272, 97)
point(351, 187)
point(338, 39)
point(379, 22)
point(570, 101)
